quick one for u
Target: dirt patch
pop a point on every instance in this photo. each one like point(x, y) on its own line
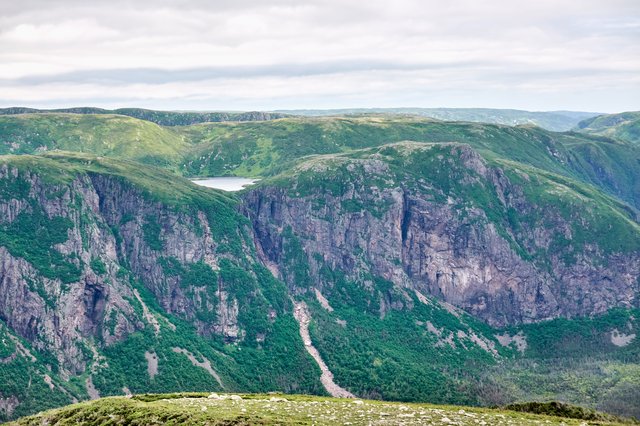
point(8, 405)
point(301, 314)
point(152, 364)
point(422, 298)
point(206, 364)
point(49, 381)
point(450, 308)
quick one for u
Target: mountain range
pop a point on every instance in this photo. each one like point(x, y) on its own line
point(385, 255)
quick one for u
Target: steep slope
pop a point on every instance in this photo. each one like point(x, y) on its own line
point(124, 278)
point(624, 126)
point(119, 277)
point(506, 242)
point(375, 238)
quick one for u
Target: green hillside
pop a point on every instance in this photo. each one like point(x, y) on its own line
point(257, 149)
point(624, 126)
point(104, 135)
point(272, 409)
point(266, 148)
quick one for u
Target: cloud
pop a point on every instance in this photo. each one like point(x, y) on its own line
point(546, 54)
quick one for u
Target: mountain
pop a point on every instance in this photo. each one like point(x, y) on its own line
point(106, 135)
point(258, 149)
point(164, 118)
point(115, 276)
point(385, 257)
point(624, 126)
point(550, 120)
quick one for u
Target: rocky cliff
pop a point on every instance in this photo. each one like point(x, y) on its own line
point(118, 278)
point(92, 261)
point(507, 244)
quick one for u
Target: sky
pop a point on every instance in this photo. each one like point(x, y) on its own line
point(581, 55)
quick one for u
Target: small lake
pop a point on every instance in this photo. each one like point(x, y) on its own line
point(228, 183)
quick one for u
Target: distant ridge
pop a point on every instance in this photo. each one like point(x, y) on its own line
point(163, 118)
point(558, 121)
point(624, 126)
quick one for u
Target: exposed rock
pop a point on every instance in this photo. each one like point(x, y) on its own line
point(323, 300)
point(407, 236)
point(206, 364)
point(621, 339)
point(152, 364)
point(519, 339)
point(301, 314)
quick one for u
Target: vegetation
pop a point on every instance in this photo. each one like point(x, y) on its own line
point(33, 236)
point(376, 351)
point(102, 135)
point(164, 118)
point(551, 120)
point(267, 148)
point(624, 126)
point(253, 409)
point(559, 409)
point(22, 374)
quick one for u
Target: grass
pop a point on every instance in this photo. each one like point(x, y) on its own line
point(266, 148)
point(271, 409)
point(107, 135)
point(624, 126)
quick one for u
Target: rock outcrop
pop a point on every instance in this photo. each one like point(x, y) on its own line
point(417, 235)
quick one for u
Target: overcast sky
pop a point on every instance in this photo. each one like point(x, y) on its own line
point(262, 55)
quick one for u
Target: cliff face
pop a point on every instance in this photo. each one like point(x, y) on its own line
point(61, 315)
point(442, 234)
point(74, 254)
point(118, 278)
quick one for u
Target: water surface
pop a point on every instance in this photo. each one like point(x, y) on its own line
point(227, 183)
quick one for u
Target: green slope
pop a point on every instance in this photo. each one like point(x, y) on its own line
point(624, 126)
point(108, 135)
point(270, 357)
point(574, 360)
point(230, 409)
point(563, 175)
point(266, 148)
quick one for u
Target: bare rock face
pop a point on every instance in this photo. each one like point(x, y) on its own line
point(102, 252)
point(60, 316)
point(416, 236)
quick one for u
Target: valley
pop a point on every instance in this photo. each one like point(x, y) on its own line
point(377, 256)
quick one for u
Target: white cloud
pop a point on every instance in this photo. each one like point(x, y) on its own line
point(544, 54)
